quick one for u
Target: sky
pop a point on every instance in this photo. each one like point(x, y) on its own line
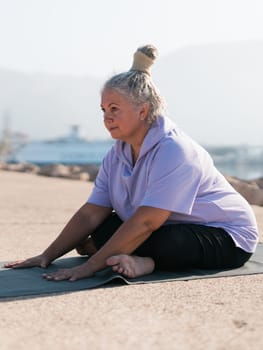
point(97, 38)
point(83, 37)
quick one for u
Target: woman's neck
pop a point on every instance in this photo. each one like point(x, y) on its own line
point(137, 143)
point(135, 154)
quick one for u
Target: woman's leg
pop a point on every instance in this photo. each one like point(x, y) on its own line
point(130, 266)
point(104, 231)
point(174, 247)
point(182, 246)
point(100, 236)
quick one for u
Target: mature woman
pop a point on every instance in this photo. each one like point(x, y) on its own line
point(158, 201)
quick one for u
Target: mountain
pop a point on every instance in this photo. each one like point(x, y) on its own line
point(214, 92)
point(44, 106)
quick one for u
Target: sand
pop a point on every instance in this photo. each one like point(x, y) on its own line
point(222, 313)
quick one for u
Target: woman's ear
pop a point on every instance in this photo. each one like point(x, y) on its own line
point(144, 110)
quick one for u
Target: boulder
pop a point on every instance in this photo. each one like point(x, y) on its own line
point(259, 182)
point(250, 190)
point(55, 170)
point(20, 167)
point(82, 176)
point(91, 169)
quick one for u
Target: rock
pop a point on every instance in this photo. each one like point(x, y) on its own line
point(3, 166)
point(20, 167)
point(74, 169)
point(82, 176)
point(30, 168)
point(55, 170)
point(15, 167)
point(259, 182)
point(250, 190)
point(91, 169)
point(68, 172)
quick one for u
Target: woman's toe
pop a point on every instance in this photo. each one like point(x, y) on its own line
point(113, 260)
point(120, 269)
point(115, 268)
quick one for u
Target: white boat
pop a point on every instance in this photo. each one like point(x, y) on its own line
point(65, 150)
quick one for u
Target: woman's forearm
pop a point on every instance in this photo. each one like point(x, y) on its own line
point(129, 236)
point(124, 241)
point(74, 231)
point(83, 223)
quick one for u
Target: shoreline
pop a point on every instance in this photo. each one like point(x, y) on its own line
point(218, 313)
point(251, 190)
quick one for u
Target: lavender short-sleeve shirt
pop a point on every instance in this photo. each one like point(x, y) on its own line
point(174, 173)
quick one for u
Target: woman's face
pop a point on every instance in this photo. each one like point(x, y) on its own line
point(124, 120)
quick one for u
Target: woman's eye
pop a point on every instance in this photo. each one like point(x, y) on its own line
point(113, 109)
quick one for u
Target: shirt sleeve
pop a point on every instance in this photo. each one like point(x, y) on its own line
point(174, 179)
point(100, 192)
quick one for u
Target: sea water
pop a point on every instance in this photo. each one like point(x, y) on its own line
point(243, 170)
point(244, 162)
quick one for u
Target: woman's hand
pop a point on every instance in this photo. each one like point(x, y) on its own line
point(73, 274)
point(36, 261)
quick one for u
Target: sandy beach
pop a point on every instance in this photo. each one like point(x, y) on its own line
point(221, 313)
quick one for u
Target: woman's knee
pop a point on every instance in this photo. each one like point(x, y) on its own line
point(105, 230)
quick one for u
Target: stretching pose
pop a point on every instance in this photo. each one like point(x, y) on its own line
point(158, 200)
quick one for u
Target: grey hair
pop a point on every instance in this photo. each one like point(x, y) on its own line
point(139, 87)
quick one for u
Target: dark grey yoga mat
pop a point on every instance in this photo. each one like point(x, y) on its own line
point(26, 282)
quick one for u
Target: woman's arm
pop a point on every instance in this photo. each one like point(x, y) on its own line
point(83, 223)
point(125, 240)
point(130, 235)
point(80, 226)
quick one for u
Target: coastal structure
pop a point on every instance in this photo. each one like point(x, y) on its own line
point(242, 161)
point(71, 149)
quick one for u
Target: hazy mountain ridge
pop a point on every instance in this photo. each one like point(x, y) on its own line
point(217, 91)
point(44, 105)
point(213, 91)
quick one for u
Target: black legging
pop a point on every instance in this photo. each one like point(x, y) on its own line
point(181, 246)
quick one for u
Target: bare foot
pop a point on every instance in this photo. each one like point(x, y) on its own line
point(131, 265)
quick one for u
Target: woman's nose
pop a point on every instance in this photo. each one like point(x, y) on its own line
point(107, 117)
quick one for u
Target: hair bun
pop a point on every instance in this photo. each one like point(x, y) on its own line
point(144, 58)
